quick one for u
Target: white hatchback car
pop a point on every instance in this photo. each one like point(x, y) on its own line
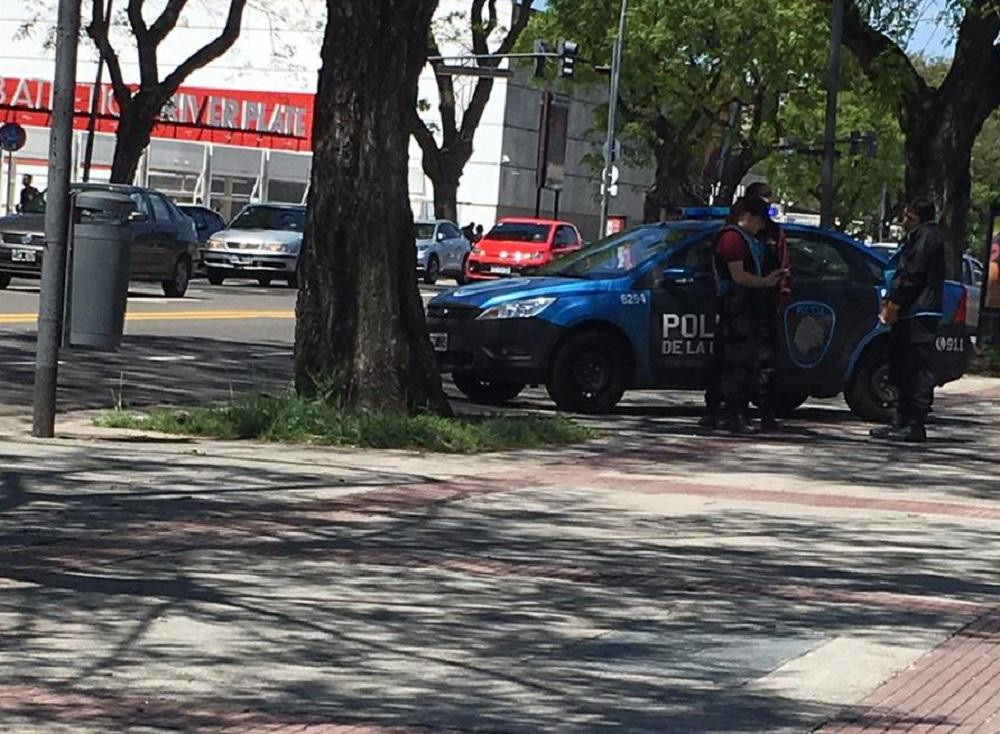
point(262, 242)
point(442, 249)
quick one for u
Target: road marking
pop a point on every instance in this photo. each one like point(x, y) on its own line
point(30, 318)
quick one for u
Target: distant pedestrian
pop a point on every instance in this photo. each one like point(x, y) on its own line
point(479, 233)
point(913, 311)
point(742, 310)
point(776, 257)
point(28, 192)
point(469, 231)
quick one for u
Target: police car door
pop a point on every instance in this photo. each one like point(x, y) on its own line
point(682, 318)
point(834, 305)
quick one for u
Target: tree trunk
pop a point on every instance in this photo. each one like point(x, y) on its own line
point(671, 189)
point(445, 181)
point(135, 126)
point(938, 162)
point(361, 339)
point(131, 139)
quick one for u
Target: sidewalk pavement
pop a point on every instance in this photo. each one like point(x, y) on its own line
point(658, 580)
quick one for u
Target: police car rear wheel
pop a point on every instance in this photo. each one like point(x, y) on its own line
point(492, 392)
point(870, 396)
point(588, 374)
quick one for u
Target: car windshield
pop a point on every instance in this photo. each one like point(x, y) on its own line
point(423, 231)
point(270, 217)
point(621, 253)
point(519, 232)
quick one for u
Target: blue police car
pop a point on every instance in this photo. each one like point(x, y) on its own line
point(637, 311)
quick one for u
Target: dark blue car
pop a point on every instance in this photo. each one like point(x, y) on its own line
point(637, 311)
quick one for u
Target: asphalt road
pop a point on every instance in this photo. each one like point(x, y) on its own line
point(215, 341)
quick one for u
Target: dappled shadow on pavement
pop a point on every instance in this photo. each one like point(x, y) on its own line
point(147, 370)
point(237, 592)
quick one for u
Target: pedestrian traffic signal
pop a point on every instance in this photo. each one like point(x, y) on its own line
point(568, 51)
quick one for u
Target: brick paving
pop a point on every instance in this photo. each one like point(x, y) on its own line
point(955, 689)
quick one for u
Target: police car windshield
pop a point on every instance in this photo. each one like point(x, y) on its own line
point(620, 253)
point(270, 217)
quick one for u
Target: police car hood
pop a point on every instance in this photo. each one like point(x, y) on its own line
point(494, 292)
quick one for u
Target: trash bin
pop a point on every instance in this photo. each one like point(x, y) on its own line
point(98, 287)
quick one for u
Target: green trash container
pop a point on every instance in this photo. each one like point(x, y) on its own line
point(101, 249)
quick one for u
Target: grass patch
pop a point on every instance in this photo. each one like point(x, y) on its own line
point(987, 362)
point(294, 419)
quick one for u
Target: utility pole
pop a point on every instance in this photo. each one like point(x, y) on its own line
point(57, 219)
point(609, 148)
point(88, 154)
point(830, 136)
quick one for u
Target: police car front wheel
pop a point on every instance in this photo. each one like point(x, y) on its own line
point(588, 374)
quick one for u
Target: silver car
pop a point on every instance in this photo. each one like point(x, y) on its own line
point(262, 242)
point(441, 250)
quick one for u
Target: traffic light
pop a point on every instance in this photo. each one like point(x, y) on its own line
point(855, 142)
point(871, 147)
point(542, 51)
point(568, 51)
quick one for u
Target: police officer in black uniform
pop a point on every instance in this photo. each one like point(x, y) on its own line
point(743, 309)
point(913, 310)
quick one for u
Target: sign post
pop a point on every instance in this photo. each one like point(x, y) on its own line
point(12, 138)
point(57, 219)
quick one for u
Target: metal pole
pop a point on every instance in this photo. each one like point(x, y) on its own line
point(542, 163)
point(11, 187)
point(88, 154)
point(57, 218)
point(830, 136)
point(616, 76)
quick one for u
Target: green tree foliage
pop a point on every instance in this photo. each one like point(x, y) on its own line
point(688, 66)
point(861, 180)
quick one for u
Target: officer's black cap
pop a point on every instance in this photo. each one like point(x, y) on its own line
point(754, 205)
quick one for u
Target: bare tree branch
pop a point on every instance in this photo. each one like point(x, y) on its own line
point(209, 52)
point(98, 32)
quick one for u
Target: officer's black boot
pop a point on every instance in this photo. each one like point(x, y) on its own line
point(914, 431)
point(737, 423)
point(900, 420)
point(710, 419)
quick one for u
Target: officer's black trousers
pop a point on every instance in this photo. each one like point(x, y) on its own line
point(740, 333)
point(911, 368)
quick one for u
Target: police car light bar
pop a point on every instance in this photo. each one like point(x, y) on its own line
point(705, 212)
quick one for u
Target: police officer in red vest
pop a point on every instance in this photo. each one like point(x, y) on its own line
point(744, 309)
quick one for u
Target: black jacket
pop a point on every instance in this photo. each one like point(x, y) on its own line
point(918, 285)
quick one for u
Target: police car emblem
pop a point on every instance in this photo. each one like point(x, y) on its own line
point(809, 327)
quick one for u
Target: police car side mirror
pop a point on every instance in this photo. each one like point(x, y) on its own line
point(677, 276)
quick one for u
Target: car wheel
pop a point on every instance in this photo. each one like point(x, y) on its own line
point(4, 280)
point(491, 392)
point(588, 373)
point(264, 281)
point(177, 285)
point(215, 277)
point(870, 396)
point(433, 270)
point(462, 278)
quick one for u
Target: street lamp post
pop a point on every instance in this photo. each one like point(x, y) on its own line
point(609, 147)
point(57, 219)
point(830, 136)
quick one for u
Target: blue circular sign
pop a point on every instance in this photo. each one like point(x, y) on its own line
point(12, 136)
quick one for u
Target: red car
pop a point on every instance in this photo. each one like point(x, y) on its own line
point(520, 246)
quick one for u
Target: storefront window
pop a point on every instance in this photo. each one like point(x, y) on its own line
point(286, 192)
